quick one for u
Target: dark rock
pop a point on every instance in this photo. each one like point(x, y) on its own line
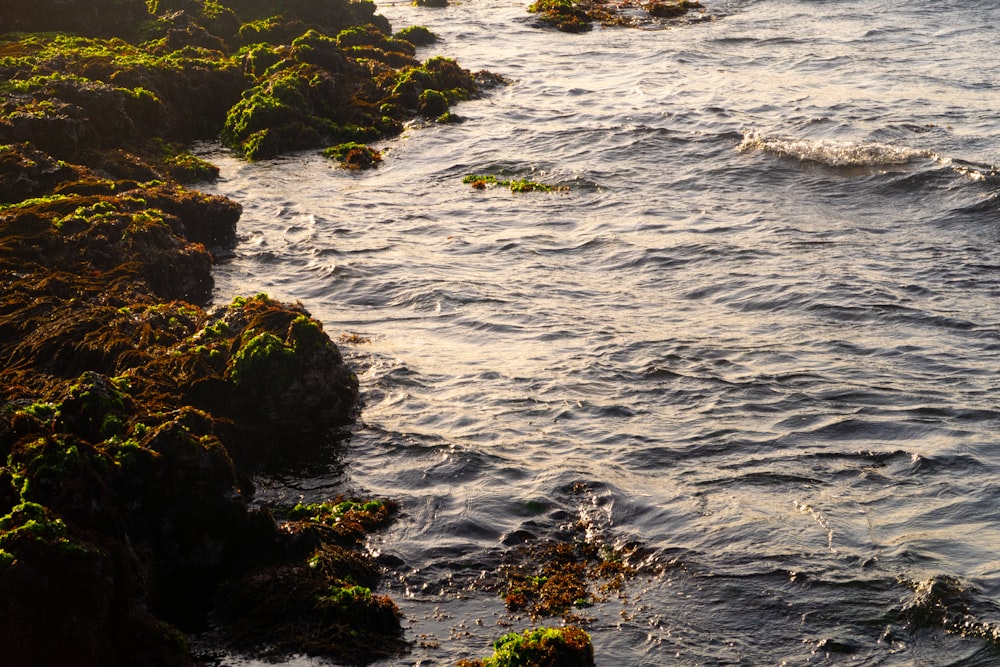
point(27, 172)
point(93, 18)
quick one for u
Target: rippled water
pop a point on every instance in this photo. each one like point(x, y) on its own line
point(761, 329)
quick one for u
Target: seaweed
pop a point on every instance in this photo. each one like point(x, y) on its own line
point(540, 647)
point(484, 181)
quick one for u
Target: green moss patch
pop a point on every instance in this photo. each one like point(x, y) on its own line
point(353, 155)
point(484, 181)
point(371, 514)
point(541, 647)
point(417, 35)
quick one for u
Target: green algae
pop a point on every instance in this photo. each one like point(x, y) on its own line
point(301, 100)
point(580, 15)
point(353, 155)
point(372, 513)
point(306, 334)
point(183, 166)
point(417, 35)
point(370, 35)
point(483, 181)
point(347, 596)
point(34, 521)
point(260, 298)
point(71, 57)
point(540, 647)
point(43, 411)
point(262, 30)
point(257, 357)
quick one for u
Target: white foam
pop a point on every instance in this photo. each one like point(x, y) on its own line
point(831, 153)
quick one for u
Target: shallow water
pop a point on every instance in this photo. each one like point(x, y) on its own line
point(758, 336)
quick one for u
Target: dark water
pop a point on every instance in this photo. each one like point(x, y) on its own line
point(761, 329)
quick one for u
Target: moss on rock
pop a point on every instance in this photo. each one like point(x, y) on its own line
point(541, 647)
point(353, 155)
point(581, 15)
point(132, 418)
point(417, 35)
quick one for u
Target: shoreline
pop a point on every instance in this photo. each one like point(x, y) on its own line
point(135, 415)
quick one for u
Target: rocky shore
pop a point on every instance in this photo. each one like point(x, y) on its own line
point(133, 415)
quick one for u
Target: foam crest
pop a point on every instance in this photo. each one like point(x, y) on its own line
point(831, 153)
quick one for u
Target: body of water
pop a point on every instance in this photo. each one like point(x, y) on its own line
point(757, 339)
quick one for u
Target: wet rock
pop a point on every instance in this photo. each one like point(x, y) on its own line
point(95, 234)
point(354, 156)
point(417, 35)
point(581, 15)
point(320, 600)
point(27, 172)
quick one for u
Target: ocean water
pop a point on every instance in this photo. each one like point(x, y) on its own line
point(757, 337)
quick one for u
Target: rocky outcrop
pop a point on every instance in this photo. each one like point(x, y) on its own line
point(132, 415)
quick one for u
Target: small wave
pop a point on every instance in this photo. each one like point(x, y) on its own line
point(984, 173)
point(831, 153)
point(946, 602)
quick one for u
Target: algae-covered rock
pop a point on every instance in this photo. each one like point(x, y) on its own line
point(320, 600)
point(131, 418)
point(98, 233)
point(294, 106)
point(353, 155)
point(542, 647)
point(356, 87)
point(285, 369)
point(129, 426)
point(564, 15)
point(581, 15)
point(417, 35)
point(70, 95)
point(142, 479)
point(327, 16)
point(319, 93)
point(27, 172)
